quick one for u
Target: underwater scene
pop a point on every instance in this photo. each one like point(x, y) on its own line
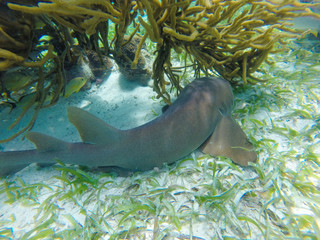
point(159, 119)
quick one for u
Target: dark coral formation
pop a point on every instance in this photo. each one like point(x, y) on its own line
point(125, 60)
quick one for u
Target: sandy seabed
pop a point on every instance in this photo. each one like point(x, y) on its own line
point(196, 198)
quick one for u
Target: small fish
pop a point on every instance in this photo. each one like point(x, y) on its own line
point(312, 22)
point(14, 81)
point(74, 85)
point(25, 101)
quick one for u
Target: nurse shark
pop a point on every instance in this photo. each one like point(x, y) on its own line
point(199, 118)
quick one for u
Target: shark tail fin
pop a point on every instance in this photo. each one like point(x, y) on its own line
point(45, 143)
point(92, 129)
point(229, 140)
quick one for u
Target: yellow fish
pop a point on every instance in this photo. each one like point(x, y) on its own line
point(74, 85)
point(25, 100)
point(15, 81)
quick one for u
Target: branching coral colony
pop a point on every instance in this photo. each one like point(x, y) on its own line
point(230, 38)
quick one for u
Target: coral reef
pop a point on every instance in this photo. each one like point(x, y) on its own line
point(229, 38)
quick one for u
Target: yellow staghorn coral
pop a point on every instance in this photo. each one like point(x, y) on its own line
point(72, 9)
point(230, 38)
point(10, 56)
point(226, 23)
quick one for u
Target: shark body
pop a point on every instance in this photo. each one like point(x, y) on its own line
point(199, 118)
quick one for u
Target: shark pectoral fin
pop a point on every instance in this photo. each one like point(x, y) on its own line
point(92, 129)
point(45, 143)
point(229, 140)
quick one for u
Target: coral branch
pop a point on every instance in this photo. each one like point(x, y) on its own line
point(230, 38)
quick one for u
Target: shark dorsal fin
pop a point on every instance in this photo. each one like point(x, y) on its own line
point(229, 140)
point(92, 129)
point(45, 143)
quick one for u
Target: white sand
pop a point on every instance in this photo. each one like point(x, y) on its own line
point(125, 105)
